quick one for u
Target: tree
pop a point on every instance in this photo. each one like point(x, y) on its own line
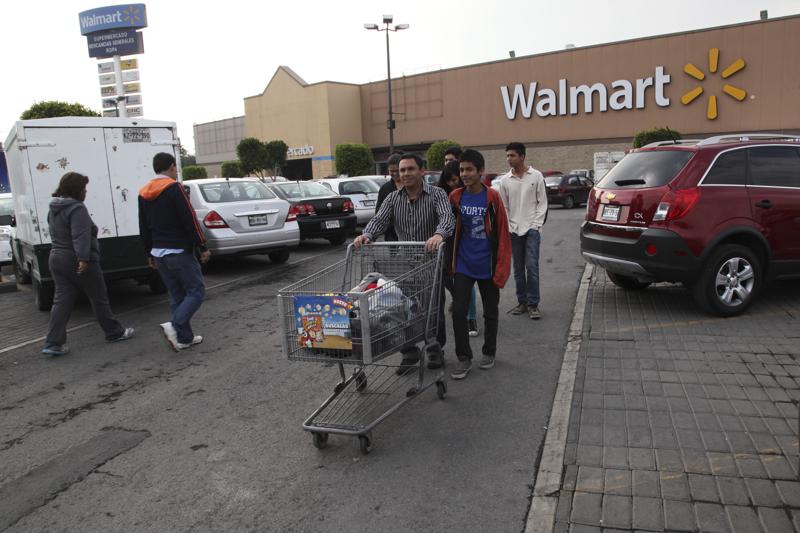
point(276, 156)
point(435, 154)
point(253, 156)
point(187, 159)
point(354, 159)
point(54, 108)
point(194, 172)
point(646, 137)
point(232, 169)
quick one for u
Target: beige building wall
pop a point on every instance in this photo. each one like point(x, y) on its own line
point(466, 103)
point(319, 115)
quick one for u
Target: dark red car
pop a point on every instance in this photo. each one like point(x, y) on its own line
point(721, 216)
point(569, 191)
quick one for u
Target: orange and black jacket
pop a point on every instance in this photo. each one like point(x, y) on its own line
point(496, 231)
point(167, 219)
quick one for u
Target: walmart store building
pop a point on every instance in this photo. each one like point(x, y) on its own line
point(563, 105)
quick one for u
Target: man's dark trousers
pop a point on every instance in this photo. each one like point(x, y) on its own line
point(490, 295)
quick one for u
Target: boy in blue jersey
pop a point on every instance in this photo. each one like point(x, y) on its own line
point(482, 255)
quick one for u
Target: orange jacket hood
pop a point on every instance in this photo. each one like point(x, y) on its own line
point(155, 187)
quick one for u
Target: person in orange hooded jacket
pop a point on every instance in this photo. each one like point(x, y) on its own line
point(482, 255)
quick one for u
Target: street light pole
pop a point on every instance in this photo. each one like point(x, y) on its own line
point(387, 20)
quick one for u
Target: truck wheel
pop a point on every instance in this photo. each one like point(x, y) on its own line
point(279, 257)
point(22, 277)
point(627, 282)
point(729, 282)
point(156, 284)
point(43, 292)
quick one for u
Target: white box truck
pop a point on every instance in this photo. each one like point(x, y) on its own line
point(117, 156)
point(605, 161)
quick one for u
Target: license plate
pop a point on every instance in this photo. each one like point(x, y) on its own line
point(368, 203)
point(331, 224)
point(610, 212)
point(257, 220)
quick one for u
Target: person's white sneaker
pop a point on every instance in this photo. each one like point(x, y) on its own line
point(196, 340)
point(125, 335)
point(171, 335)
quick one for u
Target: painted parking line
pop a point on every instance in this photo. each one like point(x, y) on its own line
point(242, 279)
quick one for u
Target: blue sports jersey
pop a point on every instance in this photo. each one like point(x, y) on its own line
point(474, 252)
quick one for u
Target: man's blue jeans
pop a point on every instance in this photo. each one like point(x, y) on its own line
point(184, 280)
point(525, 251)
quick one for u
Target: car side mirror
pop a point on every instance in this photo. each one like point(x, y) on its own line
point(8, 220)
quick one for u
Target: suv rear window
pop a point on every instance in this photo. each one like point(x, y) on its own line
point(640, 170)
point(730, 168)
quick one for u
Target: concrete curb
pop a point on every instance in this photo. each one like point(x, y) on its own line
point(542, 513)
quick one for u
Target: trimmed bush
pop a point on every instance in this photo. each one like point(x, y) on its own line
point(435, 153)
point(232, 169)
point(646, 137)
point(354, 159)
point(54, 108)
point(194, 172)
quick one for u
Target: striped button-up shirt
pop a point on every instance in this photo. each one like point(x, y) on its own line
point(414, 220)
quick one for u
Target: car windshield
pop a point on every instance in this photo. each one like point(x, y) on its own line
point(552, 180)
point(6, 206)
point(358, 187)
point(235, 191)
point(303, 189)
point(640, 170)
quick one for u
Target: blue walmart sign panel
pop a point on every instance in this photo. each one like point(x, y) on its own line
point(129, 16)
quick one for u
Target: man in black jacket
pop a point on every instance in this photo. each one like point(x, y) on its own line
point(393, 167)
point(168, 226)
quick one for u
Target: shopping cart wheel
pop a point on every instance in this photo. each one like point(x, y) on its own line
point(320, 440)
point(339, 387)
point(441, 390)
point(361, 381)
point(365, 444)
point(411, 392)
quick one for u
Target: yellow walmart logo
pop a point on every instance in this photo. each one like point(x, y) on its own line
point(713, 64)
point(133, 15)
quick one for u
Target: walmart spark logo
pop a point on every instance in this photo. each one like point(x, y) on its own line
point(713, 63)
point(133, 15)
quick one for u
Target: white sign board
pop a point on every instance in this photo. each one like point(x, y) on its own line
point(110, 113)
point(132, 88)
point(134, 99)
point(134, 111)
point(111, 90)
point(105, 68)
point(108, 79)
point(130, 75)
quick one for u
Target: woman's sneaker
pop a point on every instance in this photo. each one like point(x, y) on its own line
point(55, 350)
point(520, 309)
point(487, 362)
point(472, 326)
point(196, 340)
point(462, 369)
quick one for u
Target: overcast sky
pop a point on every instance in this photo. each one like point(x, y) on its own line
point(201, 59)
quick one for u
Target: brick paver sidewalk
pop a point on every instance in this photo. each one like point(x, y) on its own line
point(681, 421)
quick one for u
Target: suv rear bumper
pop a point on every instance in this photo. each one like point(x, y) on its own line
point(627, 256)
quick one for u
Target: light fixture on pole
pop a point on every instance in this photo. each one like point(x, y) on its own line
point(387, 20)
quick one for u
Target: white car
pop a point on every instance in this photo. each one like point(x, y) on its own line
point(6, 232)
point(242, 216)
point(362, 191)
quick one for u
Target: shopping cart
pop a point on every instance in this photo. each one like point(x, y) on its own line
point(359, 311)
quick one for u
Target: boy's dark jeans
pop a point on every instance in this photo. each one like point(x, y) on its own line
point(490, 295)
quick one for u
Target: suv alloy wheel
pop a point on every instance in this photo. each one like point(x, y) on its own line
point(730, 280)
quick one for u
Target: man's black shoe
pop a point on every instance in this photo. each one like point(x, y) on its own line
point(406, 366)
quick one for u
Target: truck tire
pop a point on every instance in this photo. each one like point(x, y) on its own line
point(22, 277)
point(43, 292)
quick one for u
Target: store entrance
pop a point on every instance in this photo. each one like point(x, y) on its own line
point(298, 169)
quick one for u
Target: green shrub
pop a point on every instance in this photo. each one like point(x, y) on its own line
point(253, 156)
point(54, 108)
point(276, 156)
point(194, 172)
point(232, 169)
point(646, 137)
point(435, 153)
point(354, 159)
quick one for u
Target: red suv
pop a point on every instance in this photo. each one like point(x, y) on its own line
point(721, 216)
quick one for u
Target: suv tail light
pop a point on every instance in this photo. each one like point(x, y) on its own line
point(675, 204)
point(213, 220)
point(348, 206)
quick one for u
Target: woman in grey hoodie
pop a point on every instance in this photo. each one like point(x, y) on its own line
point(75, 265)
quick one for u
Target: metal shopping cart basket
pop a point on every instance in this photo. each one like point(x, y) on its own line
point(359, 311)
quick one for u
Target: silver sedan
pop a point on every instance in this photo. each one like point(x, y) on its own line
point(242, 216)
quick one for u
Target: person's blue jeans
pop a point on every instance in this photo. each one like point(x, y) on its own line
point(472, 313)
point(525, 252)
point(184, 280)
